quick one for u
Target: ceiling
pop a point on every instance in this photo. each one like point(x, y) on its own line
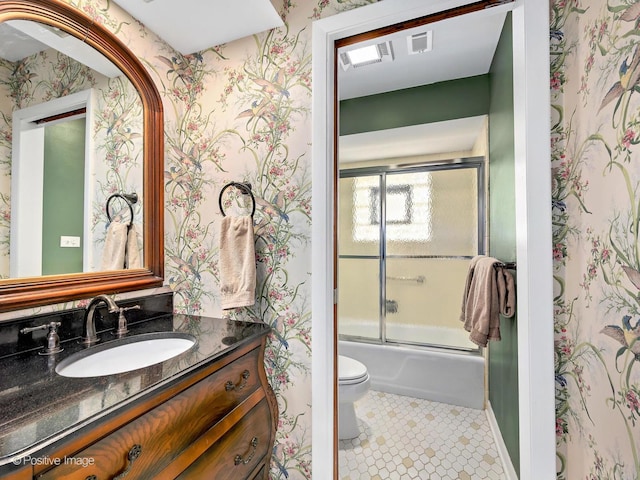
point(16, 45)
point(188, 26)
point(21, 38)
point(426, 139)
point(193, 25)
point(462, 47)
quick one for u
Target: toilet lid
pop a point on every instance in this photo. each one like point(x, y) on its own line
point(350, 370)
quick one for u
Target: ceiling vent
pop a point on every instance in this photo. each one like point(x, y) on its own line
point(420, 42)
point(384, 53)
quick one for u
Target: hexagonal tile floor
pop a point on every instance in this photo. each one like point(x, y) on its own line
point(405, 438)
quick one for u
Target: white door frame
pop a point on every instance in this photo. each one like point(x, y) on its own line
point(533, 223)
point(27, 174)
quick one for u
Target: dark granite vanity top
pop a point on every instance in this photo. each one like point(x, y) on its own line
point(39, 407)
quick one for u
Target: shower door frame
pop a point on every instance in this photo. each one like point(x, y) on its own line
point(382, 171)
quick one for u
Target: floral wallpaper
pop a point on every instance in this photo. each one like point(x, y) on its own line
point(595, 59)
point(236, 112)
point(241, 112)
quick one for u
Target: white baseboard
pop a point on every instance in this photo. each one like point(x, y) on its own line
point(507, 465)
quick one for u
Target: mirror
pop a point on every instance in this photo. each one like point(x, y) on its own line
point(110, 105)
point(75, 121)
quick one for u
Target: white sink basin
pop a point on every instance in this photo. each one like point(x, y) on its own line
point(125, 354)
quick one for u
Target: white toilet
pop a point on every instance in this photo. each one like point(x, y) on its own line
point(353, 384)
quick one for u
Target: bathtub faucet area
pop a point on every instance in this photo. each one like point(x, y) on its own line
point(391, 306)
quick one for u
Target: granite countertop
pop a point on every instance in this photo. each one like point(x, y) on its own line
point(39, 407)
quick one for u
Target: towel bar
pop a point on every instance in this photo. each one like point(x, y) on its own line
point(419, 278)
point(507, 265)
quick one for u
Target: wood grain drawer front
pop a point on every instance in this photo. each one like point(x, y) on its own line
point(262, 474)
point(163, 432)
point(237, 454)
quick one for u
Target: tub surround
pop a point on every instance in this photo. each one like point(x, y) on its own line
point(43, 413)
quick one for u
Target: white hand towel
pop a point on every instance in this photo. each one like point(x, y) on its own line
point(114, 246)
point(133, 258)
point(237, 262)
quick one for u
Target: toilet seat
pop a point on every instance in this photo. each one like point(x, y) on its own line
point(351, 371)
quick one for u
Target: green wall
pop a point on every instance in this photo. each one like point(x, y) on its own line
point(503, 355)
point(63, 196)
point(437, 102)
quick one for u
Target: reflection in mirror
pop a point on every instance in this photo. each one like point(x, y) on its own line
point(71, 136)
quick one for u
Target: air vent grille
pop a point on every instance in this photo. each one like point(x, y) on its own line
point(420, 42)
point(384, 48)
point(344, 60)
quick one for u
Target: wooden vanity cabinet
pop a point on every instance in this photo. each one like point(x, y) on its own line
point(218, 422)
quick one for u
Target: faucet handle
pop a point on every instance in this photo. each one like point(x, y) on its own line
point(53, 340)
point(122, 320)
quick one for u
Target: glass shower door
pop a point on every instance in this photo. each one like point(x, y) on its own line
point(433, 229)
point(359, 260)
point(405, 240)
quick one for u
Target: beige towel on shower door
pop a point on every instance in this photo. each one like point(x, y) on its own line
point(485, 296)
point(237, 262)
point(133, 259)
point(506, 292)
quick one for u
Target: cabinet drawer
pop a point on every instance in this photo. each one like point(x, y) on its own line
point(163, 432)
point(238, 452)
point(262, 474)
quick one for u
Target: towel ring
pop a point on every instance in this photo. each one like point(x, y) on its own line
point(129, 198)
point(245, 188)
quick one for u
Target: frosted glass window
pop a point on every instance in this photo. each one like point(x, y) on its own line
point(399, 203)
point(408, 208)
point(444, 214)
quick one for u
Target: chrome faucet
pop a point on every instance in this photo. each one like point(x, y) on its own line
point(122, 329)
point(89, 336)
point(53, 340)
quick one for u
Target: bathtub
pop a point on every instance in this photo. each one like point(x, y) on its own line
point(435, 374)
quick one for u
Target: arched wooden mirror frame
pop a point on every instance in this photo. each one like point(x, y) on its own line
point(33, 291)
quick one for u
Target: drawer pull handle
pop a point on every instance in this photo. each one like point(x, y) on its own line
point(133, 454)
point(243, 383)
point(239, 460)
